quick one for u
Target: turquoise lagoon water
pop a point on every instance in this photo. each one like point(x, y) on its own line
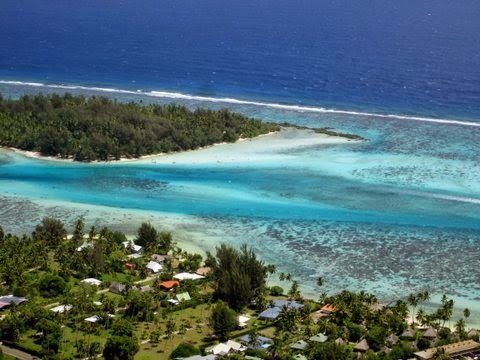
point(395, 214)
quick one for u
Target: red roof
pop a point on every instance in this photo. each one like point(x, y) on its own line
point(3, 305)
point(169, 284)
point(328, 308)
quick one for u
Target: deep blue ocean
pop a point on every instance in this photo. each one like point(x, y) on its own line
point(409, 57)
point(395, 214)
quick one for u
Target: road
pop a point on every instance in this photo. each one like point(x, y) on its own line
point(17, 353)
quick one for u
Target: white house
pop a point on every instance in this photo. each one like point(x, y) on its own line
point(154, 266)
point(188, 276)
point(61, 308)
point(130, 243)
point(92, 281)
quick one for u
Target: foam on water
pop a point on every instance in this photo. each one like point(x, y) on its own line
point(297, 108)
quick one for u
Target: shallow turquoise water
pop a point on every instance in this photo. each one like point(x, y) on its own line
point(398, 213)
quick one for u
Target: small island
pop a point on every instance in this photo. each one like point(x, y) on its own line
point(100, 129)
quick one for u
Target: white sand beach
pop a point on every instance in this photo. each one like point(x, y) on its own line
point(261, 148)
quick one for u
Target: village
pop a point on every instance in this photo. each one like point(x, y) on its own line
point(99, 293)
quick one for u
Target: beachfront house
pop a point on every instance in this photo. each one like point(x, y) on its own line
point(272, 312)
point(203, 271)
point(130, 244)
point(457, 350)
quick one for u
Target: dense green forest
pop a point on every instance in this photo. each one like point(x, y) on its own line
point(97, 128)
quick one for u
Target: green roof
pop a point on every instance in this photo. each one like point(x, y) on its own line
point(299, 345)
point(321, 338)
point(183, 297)
point(300, 357)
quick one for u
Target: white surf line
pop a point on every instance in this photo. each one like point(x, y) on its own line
point(462, 199)
point(298, 108)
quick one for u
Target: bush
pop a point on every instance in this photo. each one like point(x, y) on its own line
point(276, 290)
point(184, 350)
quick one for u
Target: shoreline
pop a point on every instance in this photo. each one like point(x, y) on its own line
point(321, 138)
point(38, 156)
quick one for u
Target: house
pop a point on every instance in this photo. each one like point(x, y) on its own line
point(377, 307)
point(319, 338)
point(92, 319)
point(134, 256)
point(362, 346)
point(299, 345)
point(169, 284)
point(92, 281)
point(61, 309)
point(227, 348)
point(85, 245)
point(117, 288)
point(129, 266)
point(199, 357)
point(188, 276)
point(273, 312)
point(299, 357)
point(456, 350)
point(154, 267)
point(160, 258)
point(129, 244)
point(203, 271)
point(409, 333)
point(261, 343)
point(144, 289)
point(392, 339)
point(289, 304)
point(269, 314)
point(340, 341)
point(8, 300)
point(180, 297)
point(473, 333)
point(327, 309)
point(430, 334)
point(243, 320)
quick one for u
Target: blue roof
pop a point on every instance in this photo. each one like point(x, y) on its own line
point(270, 313)
point(260, 339)
point(288, 303)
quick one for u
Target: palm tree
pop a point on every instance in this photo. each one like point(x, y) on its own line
point(170, 329)
point(320, 281)
point(294, 292)
point(413, 301)
point(466, 313)
point(460, 329)
point(421, 316)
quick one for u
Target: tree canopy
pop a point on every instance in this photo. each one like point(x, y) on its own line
point(98, 128)
point(239, 275)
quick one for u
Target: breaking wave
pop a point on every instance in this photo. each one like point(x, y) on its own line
point(226, 100)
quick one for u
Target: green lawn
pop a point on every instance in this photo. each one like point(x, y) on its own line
point(192, 324)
